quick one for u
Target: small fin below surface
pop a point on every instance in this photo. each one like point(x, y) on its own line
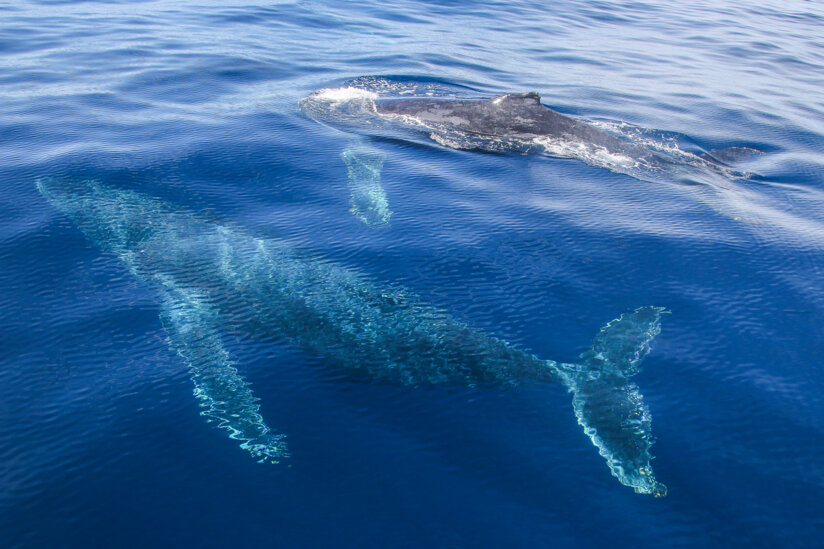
point(730, 155)
point(224, 395)
point(609, 407)
point(368, 197)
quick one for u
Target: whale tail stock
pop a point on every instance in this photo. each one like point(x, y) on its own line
point(608, 406)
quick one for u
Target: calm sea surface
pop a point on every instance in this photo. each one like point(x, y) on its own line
point(102, 443)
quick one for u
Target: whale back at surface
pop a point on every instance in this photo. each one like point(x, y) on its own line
point(520, 123)
point(514, 115)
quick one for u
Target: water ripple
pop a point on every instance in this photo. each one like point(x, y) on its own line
point(101, 442)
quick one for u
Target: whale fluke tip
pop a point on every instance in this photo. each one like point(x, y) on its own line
point(609, 407)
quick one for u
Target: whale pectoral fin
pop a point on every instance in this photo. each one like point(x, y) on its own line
point(224, 395)
point(368, 198)
point(609, 407)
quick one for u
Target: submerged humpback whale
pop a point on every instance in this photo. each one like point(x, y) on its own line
point(211, 276)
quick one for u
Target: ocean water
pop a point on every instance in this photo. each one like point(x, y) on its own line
point(197, 105)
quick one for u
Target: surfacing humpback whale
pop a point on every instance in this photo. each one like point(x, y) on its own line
point(515, 122)
point(211, 276)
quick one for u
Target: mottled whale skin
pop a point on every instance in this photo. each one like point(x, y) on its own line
point(212, 279)
point(517, 116)
point(519, 123)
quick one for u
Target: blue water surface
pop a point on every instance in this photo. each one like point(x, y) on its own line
point(196, 103)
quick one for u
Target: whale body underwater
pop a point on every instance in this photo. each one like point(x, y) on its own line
point(210, 276)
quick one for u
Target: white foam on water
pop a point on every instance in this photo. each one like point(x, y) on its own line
point(345, 103)
point(343, 95)
point(587, 152)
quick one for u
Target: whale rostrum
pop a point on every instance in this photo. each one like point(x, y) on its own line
point(210, 276)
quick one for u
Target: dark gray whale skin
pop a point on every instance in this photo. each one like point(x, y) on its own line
point(518, 118)
point(520, 123)
point(515, 115)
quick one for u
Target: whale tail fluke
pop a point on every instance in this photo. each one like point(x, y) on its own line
point(623, 343)
point(609, 406)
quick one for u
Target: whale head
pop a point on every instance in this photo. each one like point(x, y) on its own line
point(114, 219)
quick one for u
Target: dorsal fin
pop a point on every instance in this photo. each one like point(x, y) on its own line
point(528, 98)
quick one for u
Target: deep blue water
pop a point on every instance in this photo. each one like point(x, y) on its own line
point(196, 103)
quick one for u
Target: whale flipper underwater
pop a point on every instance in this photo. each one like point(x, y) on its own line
point(368, 198)
point(211, 276)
